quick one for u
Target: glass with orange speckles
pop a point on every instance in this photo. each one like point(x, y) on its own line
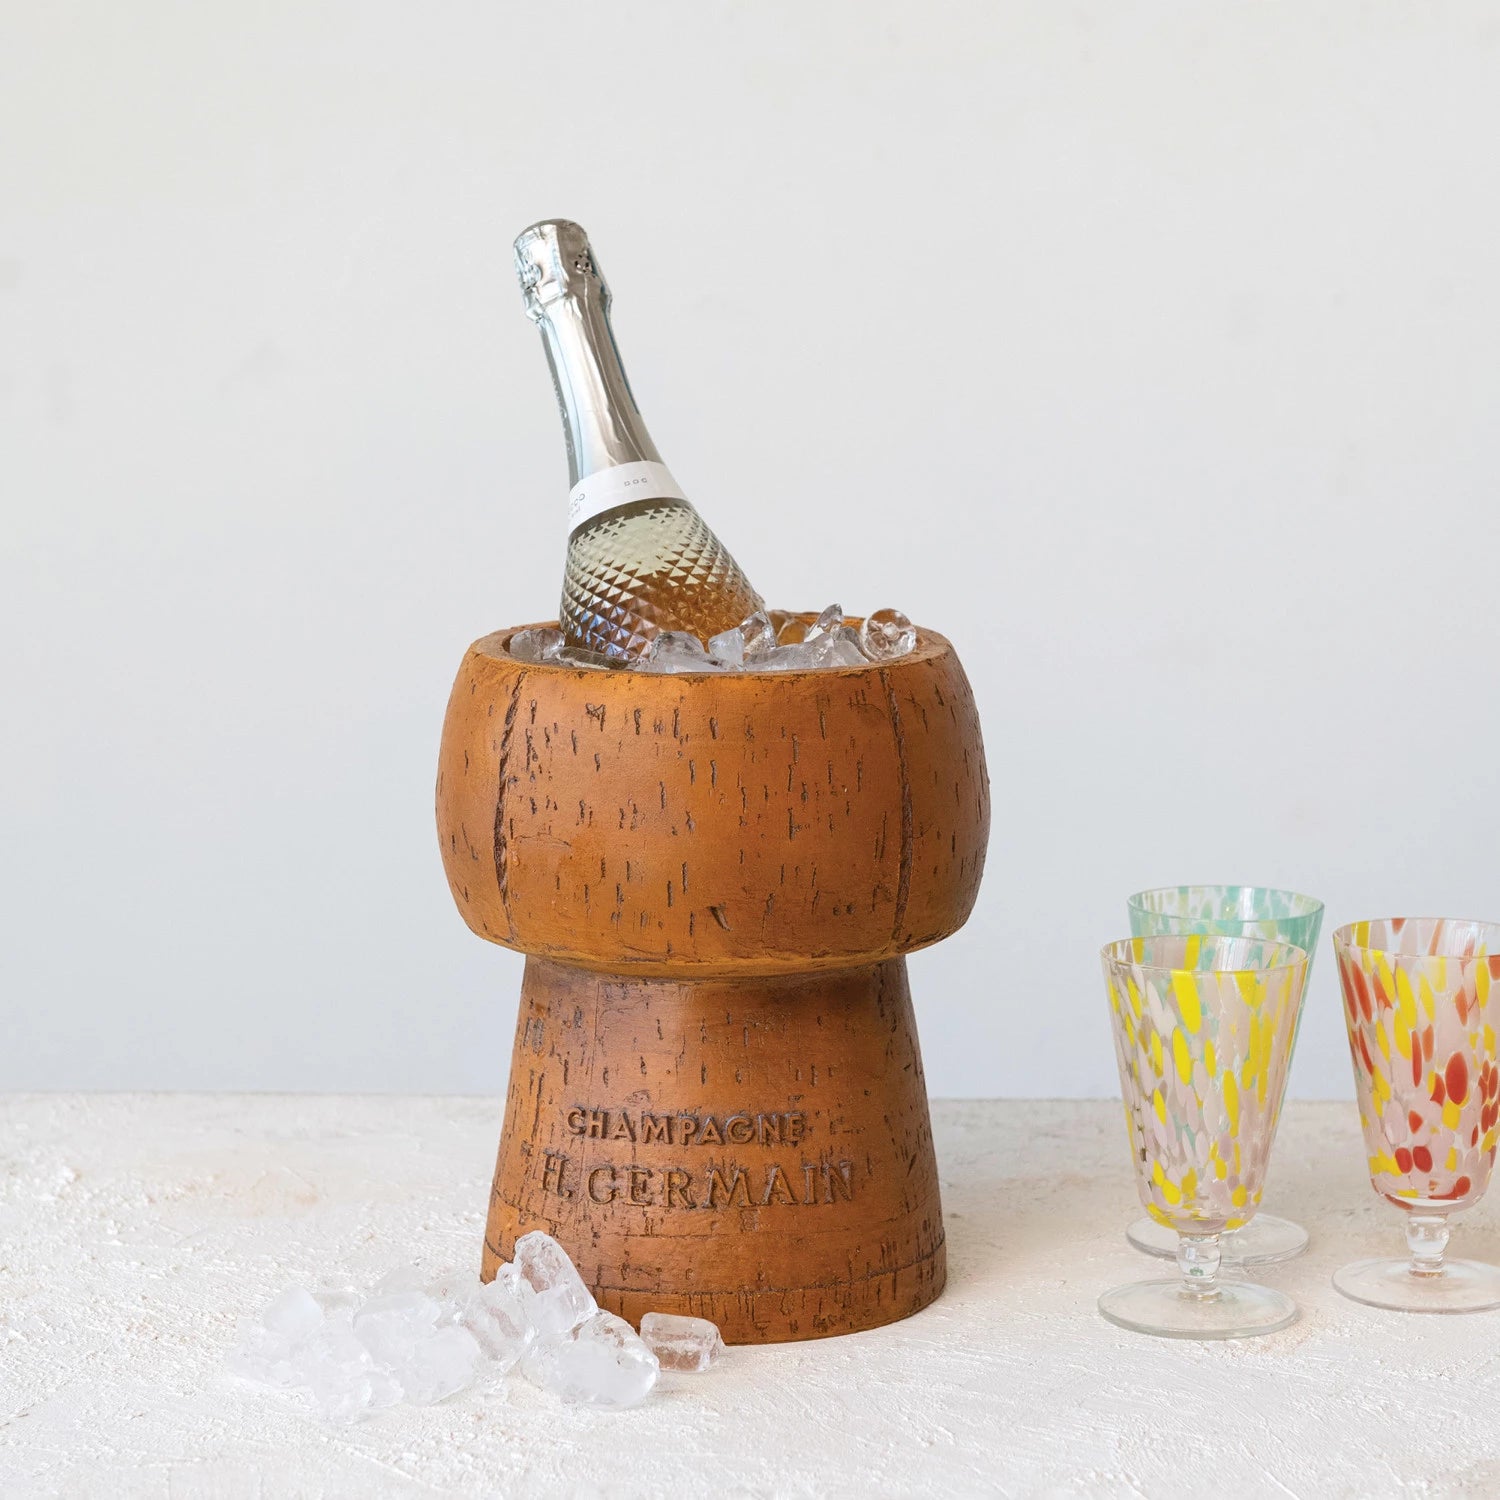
point(1421, 1018)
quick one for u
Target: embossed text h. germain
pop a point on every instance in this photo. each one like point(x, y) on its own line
point(728, 1184)
point(718, 1181)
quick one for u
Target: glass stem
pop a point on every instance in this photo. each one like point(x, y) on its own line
point(1198, 1258)
point(1427, 1239)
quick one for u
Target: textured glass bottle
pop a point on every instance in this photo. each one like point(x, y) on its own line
point(641, 560)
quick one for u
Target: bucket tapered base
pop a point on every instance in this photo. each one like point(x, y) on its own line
point(754, 1151)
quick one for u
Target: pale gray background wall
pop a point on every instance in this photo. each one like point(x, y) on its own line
point(1147, 350)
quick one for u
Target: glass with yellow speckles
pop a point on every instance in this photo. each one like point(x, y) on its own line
point(1203, 1032)
point(1421, 999)
point(1229, 911)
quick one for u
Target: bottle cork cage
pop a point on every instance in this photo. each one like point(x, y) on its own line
point(716, 1098)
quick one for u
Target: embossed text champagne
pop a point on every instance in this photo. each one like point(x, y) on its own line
point(641, 560)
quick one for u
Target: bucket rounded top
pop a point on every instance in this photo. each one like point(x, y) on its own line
point(713, 823)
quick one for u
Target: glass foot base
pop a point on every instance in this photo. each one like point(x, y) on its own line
point(1264, 1241)
point(1237, 1310)
point(1461, 1286)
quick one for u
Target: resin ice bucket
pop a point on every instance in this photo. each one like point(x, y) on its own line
point(716, 1099)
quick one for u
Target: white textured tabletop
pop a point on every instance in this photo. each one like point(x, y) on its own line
point(135, 1230)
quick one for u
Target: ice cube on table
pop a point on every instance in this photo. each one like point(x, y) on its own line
point(269, 1348)
point(601, 1362)
point(294, 1314)
point(391, 1327)
point(346, 1383)
point(677, 651)
point(336, 1367)
point(538, 644)
point(442, 1362)
point(681, 1343)
point(347, 1393)
point(552, 1292)
point(491, 1313)
point(502, 1301)
point(265, 1358)
point(886, 634)
point(496, 1316)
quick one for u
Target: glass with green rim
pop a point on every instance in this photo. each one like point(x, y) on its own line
point(1229, 911)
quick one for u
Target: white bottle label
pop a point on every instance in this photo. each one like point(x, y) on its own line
point(620, 485)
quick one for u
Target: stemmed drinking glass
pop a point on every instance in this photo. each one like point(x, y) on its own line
point(1230, 911)
point(1422, 1000)
point(1203, 1033)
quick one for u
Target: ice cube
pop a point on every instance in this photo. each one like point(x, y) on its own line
point(728, 647)
point(681, 1343)
point(269, 1346)
point(838, 648)
point(346, 1383)
point(392, 1327)
point(758, 634)
point(540, 643)
point(502, 1302)
point(835, 649)
point(414, 1337)
point(346, 1393)
point(797, 656)
point(677, 651)
point(552, 1291)
point(886, 634)
point(293, 1315)
point(347, 1390)
point(496, 1316)
point(826, 623)
point(333, 1343)
point(264, 1357)
point(601, 1362)
point(581, 656)
point(441, 1363)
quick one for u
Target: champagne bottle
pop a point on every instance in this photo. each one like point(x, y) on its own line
point(641, 560)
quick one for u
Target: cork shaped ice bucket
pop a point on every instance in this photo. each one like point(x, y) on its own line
point(716, 1099)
